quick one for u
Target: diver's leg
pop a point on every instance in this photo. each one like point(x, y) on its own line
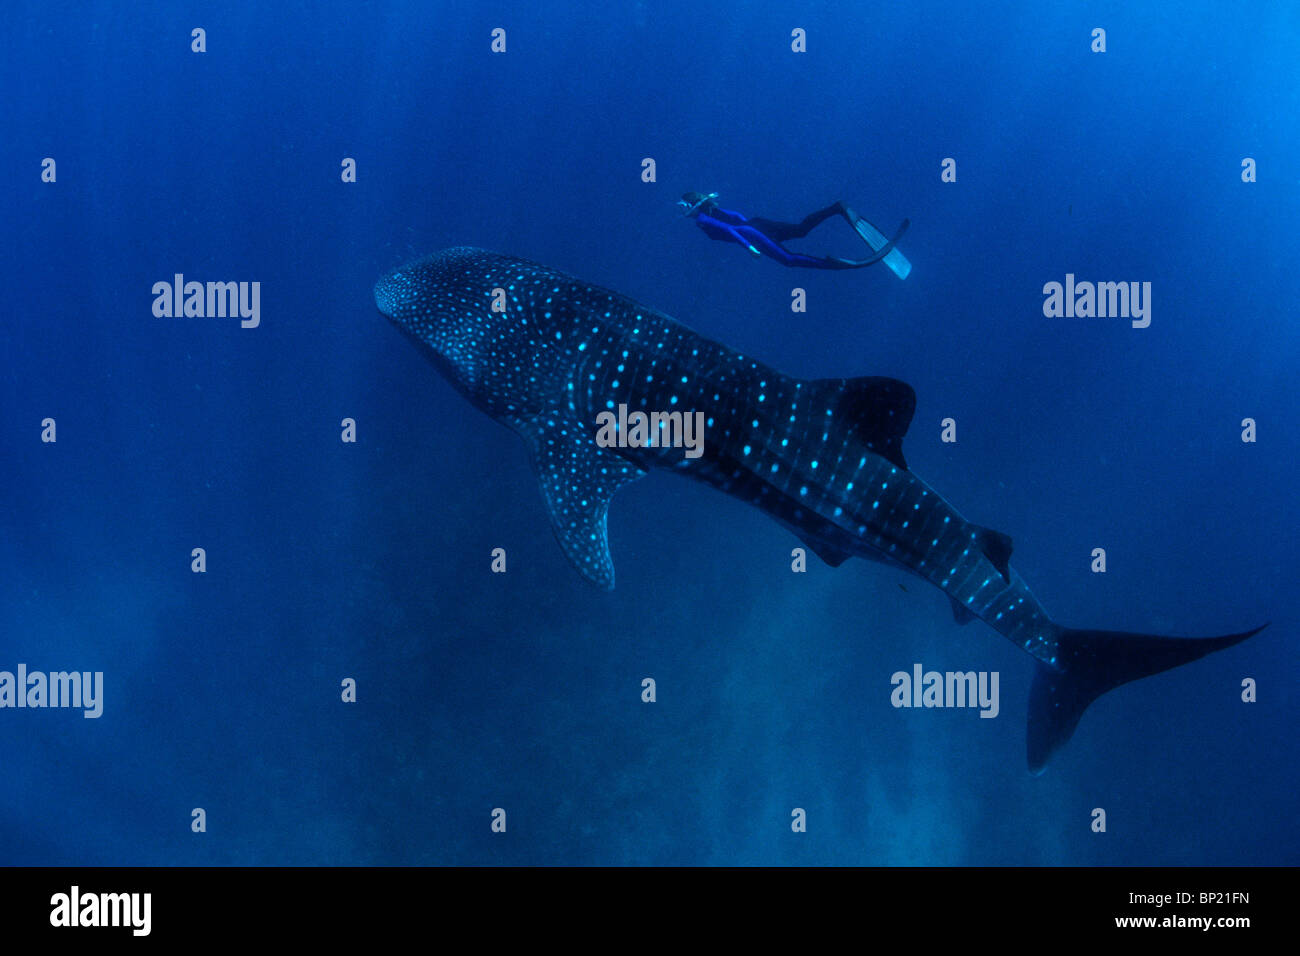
point(777, 231)
point(813, 220)
point(781, 231)
point(762, 243)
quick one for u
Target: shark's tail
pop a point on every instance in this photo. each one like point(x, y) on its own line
point(1093, 662)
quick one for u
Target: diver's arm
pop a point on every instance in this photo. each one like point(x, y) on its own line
point(741, 239)
point(717, 229)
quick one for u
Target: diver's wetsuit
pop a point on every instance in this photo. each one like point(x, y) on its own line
point(766, 235)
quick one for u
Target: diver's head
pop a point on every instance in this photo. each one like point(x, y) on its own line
point(695, 203)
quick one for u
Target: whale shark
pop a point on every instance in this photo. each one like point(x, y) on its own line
point(554, 358)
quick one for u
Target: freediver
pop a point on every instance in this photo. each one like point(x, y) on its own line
point(765, 236)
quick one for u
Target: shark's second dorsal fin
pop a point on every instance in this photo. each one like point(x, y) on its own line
point(880, 409)
point(578, 477)
point(997, 548)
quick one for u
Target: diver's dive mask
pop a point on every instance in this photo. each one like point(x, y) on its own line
point(693, 202)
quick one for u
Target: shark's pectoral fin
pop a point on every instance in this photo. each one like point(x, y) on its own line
point(578, 477)
point(880, 410)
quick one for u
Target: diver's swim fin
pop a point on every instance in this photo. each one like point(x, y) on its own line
point(882, 253)
point(885, 248)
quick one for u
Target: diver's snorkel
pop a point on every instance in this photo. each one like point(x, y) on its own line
point(693, 202)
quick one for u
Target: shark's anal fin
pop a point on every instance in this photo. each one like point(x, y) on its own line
point(878, 409)
point(997, 548)
point(827, 552)
point(960, 613)
point(578, 477)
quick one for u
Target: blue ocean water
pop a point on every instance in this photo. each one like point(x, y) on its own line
point(370, 560)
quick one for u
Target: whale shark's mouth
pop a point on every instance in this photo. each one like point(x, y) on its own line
point(388, 293)
point(405, 293)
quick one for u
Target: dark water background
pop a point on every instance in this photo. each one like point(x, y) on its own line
point(521, 691)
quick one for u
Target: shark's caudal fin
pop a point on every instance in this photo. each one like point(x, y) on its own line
point(1093, 662)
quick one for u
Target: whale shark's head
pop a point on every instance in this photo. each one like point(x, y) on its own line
point(443, 302)
point(423, 295)
point(492, 324)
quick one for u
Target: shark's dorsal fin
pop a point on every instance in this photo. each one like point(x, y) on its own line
point(879, 408)
point(997, 548)
point(578, 477)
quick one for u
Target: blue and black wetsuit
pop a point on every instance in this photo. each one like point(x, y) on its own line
point(764, 236)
